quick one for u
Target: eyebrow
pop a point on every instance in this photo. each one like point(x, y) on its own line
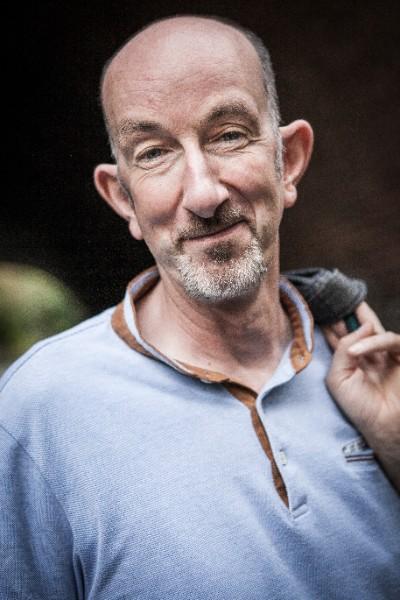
point(232, 109)
point(128, 127)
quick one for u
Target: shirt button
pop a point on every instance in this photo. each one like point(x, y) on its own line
point(283, 457)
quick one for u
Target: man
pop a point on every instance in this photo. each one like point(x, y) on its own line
point(185, 444)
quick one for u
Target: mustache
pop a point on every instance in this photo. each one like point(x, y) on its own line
point(223, 218)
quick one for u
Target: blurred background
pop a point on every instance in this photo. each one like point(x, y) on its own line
point(337, 65)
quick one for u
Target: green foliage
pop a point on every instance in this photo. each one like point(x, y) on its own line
point(33, 305)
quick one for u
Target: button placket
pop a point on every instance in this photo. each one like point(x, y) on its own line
point(281, 449)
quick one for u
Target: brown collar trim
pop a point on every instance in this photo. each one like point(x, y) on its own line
point(118, 321)
point(144, 287)
point(300, 356)
point(120, 327)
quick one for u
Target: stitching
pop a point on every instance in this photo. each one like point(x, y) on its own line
point(37, 468)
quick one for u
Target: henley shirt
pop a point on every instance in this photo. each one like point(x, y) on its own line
point(127, 475)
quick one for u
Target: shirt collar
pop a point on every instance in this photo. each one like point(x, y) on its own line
point(124, 323)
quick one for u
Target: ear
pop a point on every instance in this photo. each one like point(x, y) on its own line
point(297, 139)
point(110, 187)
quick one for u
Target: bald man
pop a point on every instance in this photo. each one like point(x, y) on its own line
point(185, 445)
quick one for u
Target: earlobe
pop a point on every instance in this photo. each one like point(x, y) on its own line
point(297, 138)
point(110, 188)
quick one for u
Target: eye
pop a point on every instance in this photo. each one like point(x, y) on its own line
point(231, 139)
point(151, 157)
point(232, 136)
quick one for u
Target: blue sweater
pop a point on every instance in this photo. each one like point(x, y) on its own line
point(125, 477)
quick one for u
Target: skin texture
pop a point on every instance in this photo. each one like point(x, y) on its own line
point(196, 178)
point(210, 150)
point(365, 381)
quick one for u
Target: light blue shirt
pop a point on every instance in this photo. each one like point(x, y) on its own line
point(123, 477)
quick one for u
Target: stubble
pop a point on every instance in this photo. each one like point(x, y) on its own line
point(227, 271)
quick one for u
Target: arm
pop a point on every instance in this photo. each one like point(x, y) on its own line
point(365, 381)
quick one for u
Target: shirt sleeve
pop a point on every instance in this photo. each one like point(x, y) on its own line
point(36, 545)
point(330, 294)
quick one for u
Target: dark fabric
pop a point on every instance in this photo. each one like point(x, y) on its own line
point(330, 295)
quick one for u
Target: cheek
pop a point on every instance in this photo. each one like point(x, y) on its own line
point(155, 198)
point(252, 174)
point(256, 180)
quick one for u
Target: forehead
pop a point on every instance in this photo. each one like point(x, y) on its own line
point(182, 70)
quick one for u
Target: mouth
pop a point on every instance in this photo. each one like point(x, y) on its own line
point(218, 234)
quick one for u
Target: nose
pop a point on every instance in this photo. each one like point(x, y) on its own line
point(203, 191)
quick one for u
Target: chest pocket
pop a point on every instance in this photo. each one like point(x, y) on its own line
point(358, 451)
point(359, 457)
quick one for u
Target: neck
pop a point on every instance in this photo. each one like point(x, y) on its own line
point(242, 339)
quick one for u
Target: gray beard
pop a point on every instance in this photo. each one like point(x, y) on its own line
point(222, 277)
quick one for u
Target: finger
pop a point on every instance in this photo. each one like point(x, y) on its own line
point(365, 314)
point(367, 329)
point(342, 360)
point(331, 336)
point(387, 341)
point(339, 329)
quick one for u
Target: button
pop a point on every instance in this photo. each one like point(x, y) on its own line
point(283, 457)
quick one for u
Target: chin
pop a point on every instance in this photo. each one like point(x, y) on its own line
point(221, 277)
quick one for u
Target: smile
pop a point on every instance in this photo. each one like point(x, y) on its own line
point(217, 235)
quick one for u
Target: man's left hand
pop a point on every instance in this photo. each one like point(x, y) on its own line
point(365, 381)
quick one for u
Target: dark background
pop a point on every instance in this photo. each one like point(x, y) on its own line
point(337, 66)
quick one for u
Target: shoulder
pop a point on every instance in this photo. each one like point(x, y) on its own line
point(61, 350)
point(56, 374)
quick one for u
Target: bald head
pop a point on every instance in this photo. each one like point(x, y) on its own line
point(167, 48)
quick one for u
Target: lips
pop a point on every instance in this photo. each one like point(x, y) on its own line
point(216, 232)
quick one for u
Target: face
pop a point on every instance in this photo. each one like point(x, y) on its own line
point(197, 161)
